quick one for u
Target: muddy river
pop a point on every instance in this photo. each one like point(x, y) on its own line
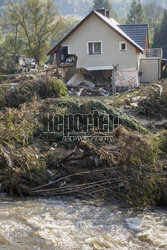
point(74, 224)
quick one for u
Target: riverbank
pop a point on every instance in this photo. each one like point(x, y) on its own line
point(130, 167)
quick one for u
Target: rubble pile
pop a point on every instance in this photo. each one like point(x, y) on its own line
point(84, 91)
point(80, 85)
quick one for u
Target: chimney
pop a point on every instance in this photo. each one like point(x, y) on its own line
point(108, 13)
point(102, 11)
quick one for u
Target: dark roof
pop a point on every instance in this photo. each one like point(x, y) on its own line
point(137, 32)
point(108, 21)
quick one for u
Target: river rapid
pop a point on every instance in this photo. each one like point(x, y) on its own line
point(74, 224)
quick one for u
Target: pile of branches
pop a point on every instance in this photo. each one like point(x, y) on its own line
point(152, 102)
point(27, 91)
point(21, 169)
point(90, 171)
point(118, 170)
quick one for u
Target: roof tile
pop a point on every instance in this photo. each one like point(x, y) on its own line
point(137, 32)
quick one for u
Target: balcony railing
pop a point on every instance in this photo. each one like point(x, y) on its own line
point(155, 52)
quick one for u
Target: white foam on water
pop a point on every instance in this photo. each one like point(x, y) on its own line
point(72, 224)
point(134, 223)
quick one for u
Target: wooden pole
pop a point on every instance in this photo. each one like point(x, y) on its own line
point(113, 80)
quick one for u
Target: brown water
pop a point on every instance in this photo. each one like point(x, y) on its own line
point(73, 224)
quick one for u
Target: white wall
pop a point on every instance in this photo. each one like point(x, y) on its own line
point(95, 30)
point(151, 70)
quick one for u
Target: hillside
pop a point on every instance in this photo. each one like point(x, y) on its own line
point(82, 7)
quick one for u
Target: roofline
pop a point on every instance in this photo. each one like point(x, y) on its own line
point(147, 33)
point(51, 52)
point(134, 24)
point(137, 47)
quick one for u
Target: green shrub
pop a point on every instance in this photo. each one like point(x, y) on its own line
point(16, 127)
point(52, 87)
point(161, 140)
point(23, 93)
point(59, 87)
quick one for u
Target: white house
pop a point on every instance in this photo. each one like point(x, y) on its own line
point(100, 44)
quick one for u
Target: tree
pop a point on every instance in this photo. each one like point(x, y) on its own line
point(160, 38)
point(8, 52)
point(38, 21)
point(153, 17)
point(136, 13)
point(67, 25)
point(98, 4)
point(153, 13)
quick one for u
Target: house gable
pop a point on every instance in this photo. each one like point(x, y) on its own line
point(95, 30)
point(109, 22)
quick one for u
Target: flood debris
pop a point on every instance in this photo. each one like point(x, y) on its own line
point(20, 169)
point(35, 88)
point(131, 168)
point(90, 170)
point(80, 85)
point(84, 91)
point(80, 80)
point(93, 171)
point(153, 103)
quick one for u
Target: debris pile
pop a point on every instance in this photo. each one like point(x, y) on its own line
point(148, 100)
point(130, 168)
point(80, 80)
point(90, 171)
point(21, 169)
point(154, 103)
point(84, 106)
point(36, 88)
point(80, 85)
point(84, 91)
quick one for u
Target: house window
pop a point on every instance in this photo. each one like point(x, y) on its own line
point(94, 48)
point(123, 46)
